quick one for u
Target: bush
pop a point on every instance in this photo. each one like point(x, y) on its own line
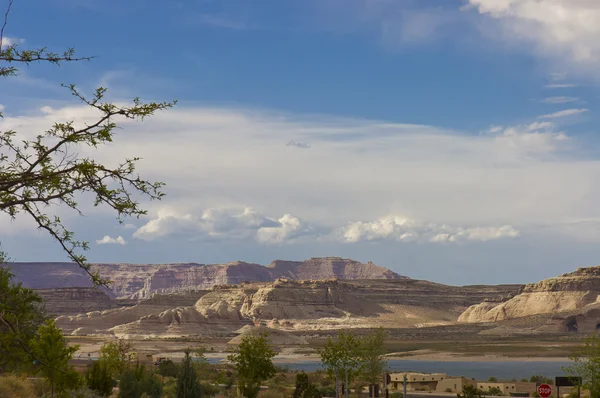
point(99, 378)
point(448, 390)
point(494, 391)
point(168, 368)
point(12, 386)
point(83, 392)
point(396, 395)
point(137, 382)
point(209, 390)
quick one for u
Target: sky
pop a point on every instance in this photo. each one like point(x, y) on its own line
point(448, 140)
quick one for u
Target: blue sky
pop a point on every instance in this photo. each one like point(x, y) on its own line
point(450, 140)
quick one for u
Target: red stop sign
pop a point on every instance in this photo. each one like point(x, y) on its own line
point(544, 390)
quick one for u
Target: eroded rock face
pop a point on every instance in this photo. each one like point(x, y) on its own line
point(293, 306)
point(141, 281)
point(74, 300)
point(569, 292)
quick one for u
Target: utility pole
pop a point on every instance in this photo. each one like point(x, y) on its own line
point(405, 379)
point(347, 386)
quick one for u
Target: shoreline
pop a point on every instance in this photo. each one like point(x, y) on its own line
point(428, 357)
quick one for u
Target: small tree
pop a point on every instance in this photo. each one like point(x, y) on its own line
point(373, 357)
point(117, 355)
point(342, 357)
point(21, 314)
point(52, 357)
point(138, 382)
point(99, 378)
point(301, 385)
point(253, 362)
point(586, 364)
point(187, 381)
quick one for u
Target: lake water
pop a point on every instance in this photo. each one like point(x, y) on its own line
point(477, 370)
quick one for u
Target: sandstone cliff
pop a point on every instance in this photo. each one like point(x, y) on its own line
point(140, 281)
point(299, 306)
point(569, 292)
point(74, 300)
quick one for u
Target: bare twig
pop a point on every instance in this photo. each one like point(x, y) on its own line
point(10, 3)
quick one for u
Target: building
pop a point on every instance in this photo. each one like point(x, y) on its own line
point(453, 384)
point(416, 381)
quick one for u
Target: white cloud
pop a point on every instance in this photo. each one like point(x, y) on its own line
point(402, 229)
point(560, 85)
point(2, 107)
point(564, 29)
point(534, 139)
point(11, 41)
point(297, 144)
point(564, 113)
point(223, 223)
point(560, 100)
point(107, 240)
point(225, 160)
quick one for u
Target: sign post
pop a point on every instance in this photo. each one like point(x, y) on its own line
point(562, 381)
point(544, 390)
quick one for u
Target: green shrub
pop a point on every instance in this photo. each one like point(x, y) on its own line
point(167, 368)
point(209, 390)
point(99, 378)
point(137, 382)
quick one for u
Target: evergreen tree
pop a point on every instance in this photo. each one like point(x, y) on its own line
point(21, 314)
point(301, 385)
point(187, 380)
point(138, 382)
point(99, 378)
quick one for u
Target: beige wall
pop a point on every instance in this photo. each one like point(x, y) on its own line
point(455, 384)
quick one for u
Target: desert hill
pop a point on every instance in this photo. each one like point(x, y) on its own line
point(570, 302)
point(291, 306)
point(141, 281)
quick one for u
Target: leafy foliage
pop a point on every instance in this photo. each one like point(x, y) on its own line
point(137, 382)
point(52, 354)
point(253, 363)
point(301, 385)
point(373, 356)
point(470, 391)
point(586, 364)
point(342, 355)
point(21, 314)
point(117, 355)
point(99, 378)
point(168, 368)
point(47, 170)
point(187, 380)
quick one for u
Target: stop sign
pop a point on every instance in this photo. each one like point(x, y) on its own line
point(544, 390)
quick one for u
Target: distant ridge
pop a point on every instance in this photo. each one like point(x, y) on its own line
point(144, 280)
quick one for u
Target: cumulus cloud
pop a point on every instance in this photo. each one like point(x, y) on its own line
point(224, 224)
point(107, 240)
point(402, 229)
point(560, 28)
point(564, 113)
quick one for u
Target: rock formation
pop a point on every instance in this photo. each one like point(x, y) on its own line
point(567, 298)
point(293, 306)
point(75, 300)
point(141, 281)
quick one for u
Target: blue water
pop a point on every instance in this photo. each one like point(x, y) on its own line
point(476, 370)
